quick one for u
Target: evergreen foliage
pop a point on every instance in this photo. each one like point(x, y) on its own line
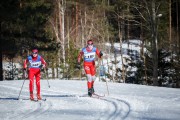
point(26, 24)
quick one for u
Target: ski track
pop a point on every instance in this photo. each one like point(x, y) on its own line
point(120, 111)
point(41, 108)
point(116, 109)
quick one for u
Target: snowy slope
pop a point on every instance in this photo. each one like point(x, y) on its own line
point(67, 100)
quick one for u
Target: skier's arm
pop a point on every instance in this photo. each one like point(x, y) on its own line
point(99, 53)
point(80, 56)
point(25, 64)
point(43, 62)
point(79, 60)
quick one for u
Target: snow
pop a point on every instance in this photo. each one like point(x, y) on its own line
point(108, 61)
point(68, 100)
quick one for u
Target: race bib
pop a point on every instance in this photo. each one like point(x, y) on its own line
point(89, 56)
point(35, 64)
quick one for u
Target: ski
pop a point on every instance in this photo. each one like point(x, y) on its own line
point(38, 100)
point(94, 95)
point(35, 100)
point(42, 100)
point(98, 95)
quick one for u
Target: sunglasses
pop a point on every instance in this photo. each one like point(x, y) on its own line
point(35, 53)
point(90, 44)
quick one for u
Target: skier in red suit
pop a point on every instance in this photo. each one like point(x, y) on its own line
point(89, 53)
point(36, 62)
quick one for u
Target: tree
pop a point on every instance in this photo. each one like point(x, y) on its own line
point(9, 11)
point(23, 26)
point(150, 12)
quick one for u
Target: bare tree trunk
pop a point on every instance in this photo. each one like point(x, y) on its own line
point(155, 45)
point(85, 24)
point(68, 32)
point(57, 66)
point(177, 37)
point(128, 27)
point(120, 38)
point(61, 9)
point(170, 26)
point(77, 22)
point(177, 27)
point(63, 32)
point(1, 61)
point(82, 29)
point(142, 55)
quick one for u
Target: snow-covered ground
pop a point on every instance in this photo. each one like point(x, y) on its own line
point(67, 100)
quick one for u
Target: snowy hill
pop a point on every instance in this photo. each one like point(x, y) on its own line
point(116, 58)
point(67, 100)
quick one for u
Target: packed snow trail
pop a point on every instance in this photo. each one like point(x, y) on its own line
point(68, 100)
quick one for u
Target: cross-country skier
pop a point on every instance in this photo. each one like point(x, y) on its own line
point(89, 53)
point(36, 62)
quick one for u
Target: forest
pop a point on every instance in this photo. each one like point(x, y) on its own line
point(59, 29)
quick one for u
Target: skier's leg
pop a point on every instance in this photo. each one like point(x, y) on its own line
point(38, 85)
point(31, 83)
point(88, 74)
point(93, 77)
point(89, 84)
point(89, 79)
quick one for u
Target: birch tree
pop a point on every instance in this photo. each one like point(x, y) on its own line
point(58, 23)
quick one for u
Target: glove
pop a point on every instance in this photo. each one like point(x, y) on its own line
point(24, 69)
point(42, 66)
point(101, 54)
point(78, 66)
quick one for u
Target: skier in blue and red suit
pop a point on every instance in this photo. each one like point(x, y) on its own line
point(89, 53)
point(36, 62)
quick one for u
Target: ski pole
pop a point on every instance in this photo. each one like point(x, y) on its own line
point(71, 72)
point(45, 71)
point(22, 84)
point(48, 83)
point(21, 89)
point(106, 82)
point(47, 78)
point(78, 67)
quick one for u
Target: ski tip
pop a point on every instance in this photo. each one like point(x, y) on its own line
point(42, 99)
point(94, 94)
point(34, 100)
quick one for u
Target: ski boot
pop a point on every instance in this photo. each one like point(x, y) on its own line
point(90, 92)
point(31, 96)
point(39, 97)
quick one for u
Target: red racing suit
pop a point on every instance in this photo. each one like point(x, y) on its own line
point(89, 63)
point(34, 71)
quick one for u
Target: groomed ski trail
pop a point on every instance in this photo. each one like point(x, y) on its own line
point(68, 100)
point(103, 108)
